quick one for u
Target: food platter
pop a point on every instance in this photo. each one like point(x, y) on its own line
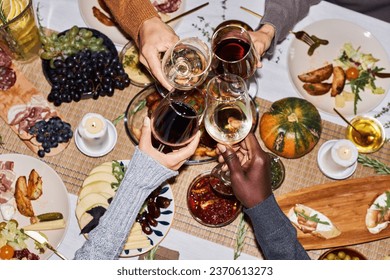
point(164, 221)
point(138, 109)
point(116, 35)
point(337, 32)
point(53, 199)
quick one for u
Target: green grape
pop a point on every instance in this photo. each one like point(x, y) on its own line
point(47, 55)
point(73, 32)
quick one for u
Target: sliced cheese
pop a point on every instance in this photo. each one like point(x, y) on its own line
point(49, 225)
point(100, 176)
point(96, 187)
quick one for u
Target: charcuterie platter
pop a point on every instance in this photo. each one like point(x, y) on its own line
point(22, 106)
point(345, 204)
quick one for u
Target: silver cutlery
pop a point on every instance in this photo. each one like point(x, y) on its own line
point(36, 236)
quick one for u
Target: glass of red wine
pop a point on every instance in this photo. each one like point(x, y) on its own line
point(186, 64)
point(177, 118)
point(233, 52)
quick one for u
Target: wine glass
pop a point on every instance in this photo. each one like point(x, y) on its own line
point(177, 118)
point(234, 53)
point(186, 64)
point(228, 117)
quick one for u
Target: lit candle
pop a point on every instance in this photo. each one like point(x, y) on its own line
point(344, 153)
point(93, 131)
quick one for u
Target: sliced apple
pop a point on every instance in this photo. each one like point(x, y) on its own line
point(84, 220)
point(100, 176)
point(107, 168)
point(96, 187)
point(89, 201)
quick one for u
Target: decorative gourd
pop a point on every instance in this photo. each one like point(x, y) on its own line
point(291, 128)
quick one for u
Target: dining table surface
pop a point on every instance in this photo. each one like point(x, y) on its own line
point(190, 239)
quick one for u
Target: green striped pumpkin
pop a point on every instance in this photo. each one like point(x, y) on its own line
point(291, 128)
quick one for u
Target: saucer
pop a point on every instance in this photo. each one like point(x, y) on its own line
point(321, 160)
point(112, 138)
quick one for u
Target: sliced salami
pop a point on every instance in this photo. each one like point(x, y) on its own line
point(5, 59)
point(168, 6)
point(7, 78)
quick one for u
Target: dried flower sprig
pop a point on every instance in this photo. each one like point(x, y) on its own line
point(151, 255)
point(377, 165)
point(383, 111)
point(240, 236)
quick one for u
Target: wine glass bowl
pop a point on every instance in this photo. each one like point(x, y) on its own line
point(228, 117)
point(186, 64)
point(177, 118)
point(233, 51)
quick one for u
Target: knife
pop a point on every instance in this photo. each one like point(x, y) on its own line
point(188, 12)
point(36, 236)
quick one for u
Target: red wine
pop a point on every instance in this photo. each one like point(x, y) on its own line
point(235, 57)
point(175, 124)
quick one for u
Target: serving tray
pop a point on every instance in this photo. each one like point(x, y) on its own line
point(23, 94)
point(345, 203)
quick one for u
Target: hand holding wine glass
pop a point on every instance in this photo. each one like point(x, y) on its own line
point(228, 117)
point(186, 65)
point(176, 120)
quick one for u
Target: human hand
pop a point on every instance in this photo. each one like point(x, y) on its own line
point(173, 160)
point(250, 170)
point(155, 37)
point(262, 39)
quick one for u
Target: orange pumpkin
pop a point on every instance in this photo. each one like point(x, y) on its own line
point(291, 128)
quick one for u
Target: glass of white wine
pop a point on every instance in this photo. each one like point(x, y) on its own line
point(228, 117)
point(186, 65)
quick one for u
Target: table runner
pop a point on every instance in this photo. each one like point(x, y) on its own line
point(73, 166)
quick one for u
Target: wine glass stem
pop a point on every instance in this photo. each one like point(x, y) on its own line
point(160, 147)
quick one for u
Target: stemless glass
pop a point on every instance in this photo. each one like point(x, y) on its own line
point(228, 117)
point(186, 65)
point(177, 118)
point(233, 51)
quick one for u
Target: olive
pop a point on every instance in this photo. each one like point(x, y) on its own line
point(341, 255)
point(331, 256)
point(146, 228)
point(163, 202)
point(152, 221)
point(153, 210)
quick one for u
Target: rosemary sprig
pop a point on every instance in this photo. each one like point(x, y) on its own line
point(3, 18)
point(151, 255)
point(118, 119)
point(240, 236)
point(378, 166)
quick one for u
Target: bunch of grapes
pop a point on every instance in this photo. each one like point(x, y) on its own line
point(51, 133)
point(95, 73)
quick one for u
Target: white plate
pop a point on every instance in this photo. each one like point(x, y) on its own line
point(164, 223)
point(337, 32)
point(118, 37)
point(112, 139)
point(54, 197)
point(323, 158)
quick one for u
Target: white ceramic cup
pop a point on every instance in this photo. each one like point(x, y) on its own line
point(93, 131)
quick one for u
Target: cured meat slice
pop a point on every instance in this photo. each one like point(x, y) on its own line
point(167, 6)
point(7, 78)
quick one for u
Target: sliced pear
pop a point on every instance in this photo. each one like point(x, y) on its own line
point(89, 201)
point(107, 168)
point(97, 187)
point(100, 176)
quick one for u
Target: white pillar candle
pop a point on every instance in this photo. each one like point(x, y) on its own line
point(344, 153)
point(93, 130)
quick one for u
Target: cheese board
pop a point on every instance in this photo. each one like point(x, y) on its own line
point(345, 203)
point(23, 105)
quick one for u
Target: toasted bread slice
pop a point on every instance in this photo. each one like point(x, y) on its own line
point(318, 75)
point(378, 214)
point(313, 222)
point(23, 203)
point(317, 88)
point(338, 81)
point(34, 187)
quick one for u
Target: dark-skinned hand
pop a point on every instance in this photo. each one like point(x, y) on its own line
point(250, 170)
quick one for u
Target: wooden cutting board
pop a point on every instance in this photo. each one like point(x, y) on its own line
point(18, 96)
point(345, 203)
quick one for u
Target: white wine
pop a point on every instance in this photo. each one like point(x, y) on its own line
point(229, 124)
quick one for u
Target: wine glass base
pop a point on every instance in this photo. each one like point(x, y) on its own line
point(253, 86)
point(224, 185)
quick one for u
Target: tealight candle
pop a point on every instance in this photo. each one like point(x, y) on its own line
point(344, 153)
point(93, 131)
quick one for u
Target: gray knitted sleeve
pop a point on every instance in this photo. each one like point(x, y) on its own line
point(143, 175)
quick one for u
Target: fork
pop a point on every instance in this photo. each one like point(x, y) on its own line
point(303, 36)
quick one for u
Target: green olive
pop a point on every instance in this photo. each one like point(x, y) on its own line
point(341, 255)
point(331, 256)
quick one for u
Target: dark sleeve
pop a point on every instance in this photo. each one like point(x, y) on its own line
point(274, 232)
point(283, 15)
